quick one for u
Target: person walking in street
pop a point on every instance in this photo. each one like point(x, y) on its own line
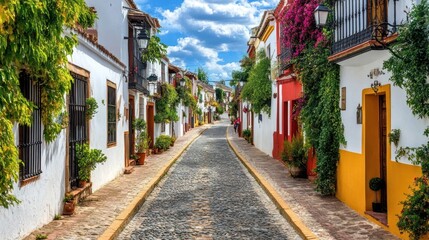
point(236, 124)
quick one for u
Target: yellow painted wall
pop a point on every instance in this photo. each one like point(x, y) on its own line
point(399, 177)
point(354, 169)
point(350, 184)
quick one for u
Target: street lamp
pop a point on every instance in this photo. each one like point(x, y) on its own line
point(182, 82)
point(321, 15)
point(152, 84)
point(142, 38)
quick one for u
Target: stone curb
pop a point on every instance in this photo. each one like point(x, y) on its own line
point(125, 216)
point(281, 204)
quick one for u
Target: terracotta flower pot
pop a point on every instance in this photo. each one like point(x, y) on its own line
point(142, 157)
point(296, 171)
point(82, 183)
point(68, 208)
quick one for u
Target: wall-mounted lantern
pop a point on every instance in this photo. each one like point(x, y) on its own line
point(152, 84)
point(142, 38)
point(182, 82)
point(321, 15)
point(375, 86)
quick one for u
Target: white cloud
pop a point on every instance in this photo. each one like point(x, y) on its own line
point(210, 27)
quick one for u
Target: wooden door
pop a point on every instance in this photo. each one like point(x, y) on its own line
point(383, 149)
point(377, 17)
point(127, 149)
point(132, 135)
point(150, 120)
point(285, 120)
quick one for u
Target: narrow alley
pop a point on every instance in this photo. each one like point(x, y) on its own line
point(209, 194)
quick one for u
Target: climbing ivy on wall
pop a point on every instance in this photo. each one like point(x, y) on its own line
point(32, 39)
point(166, 105)
point(320, 113)
point(155, 50)
point(409, 66)
point(185, 94)
point(258, 88)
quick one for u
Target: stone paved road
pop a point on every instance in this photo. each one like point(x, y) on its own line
point(208, 194)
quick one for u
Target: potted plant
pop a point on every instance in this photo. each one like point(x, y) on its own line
point(247, 135)
point(173, 139)
point(376, 184)
point(163, 142)
point(87, 160)
point(294, 154)
point(69, 205)
point(142, 140)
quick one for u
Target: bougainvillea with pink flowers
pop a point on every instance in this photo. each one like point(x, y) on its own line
point(300, 27)
point(320, 112)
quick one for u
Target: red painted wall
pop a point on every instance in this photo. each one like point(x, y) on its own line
point(291, 90)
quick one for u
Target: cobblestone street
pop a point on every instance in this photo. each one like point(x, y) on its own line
point(208, 194)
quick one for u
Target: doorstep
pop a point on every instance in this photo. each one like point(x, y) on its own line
point(379, 216)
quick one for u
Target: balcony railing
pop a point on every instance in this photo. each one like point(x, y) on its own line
point(137, 80)
point(284, 60)
point(358, 21)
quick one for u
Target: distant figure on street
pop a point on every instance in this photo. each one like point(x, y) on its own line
point(236, 124)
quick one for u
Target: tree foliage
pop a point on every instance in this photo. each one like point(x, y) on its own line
point(220, 94)
point(202, 75)
point(258, 89)
point(32, 39)
point(242, 75)
point(155, 50)
point(410, 70)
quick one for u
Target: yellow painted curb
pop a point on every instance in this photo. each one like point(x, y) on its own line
point(125, 216)
point(281, 204)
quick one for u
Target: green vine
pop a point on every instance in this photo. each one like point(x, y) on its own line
point(32, 39)
point(185, 94)
point(166, 105)
point(155, 50)
point(91, 107)
point(321, 113)
point(258, 89)
point(409, 66)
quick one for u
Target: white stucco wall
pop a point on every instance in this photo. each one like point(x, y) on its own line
point(102, 70)
point(41, 199)
point(354, 76)
point(263, 130)
point(112, 26)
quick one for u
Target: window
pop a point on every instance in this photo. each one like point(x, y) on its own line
point(111, 113)
point(163, 127)
point(30, 137)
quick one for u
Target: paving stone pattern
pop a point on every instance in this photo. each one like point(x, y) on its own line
point(327, 217)
point(97, 212)
point(208, 194)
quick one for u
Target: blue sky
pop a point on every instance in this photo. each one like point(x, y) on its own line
point(211, 34)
